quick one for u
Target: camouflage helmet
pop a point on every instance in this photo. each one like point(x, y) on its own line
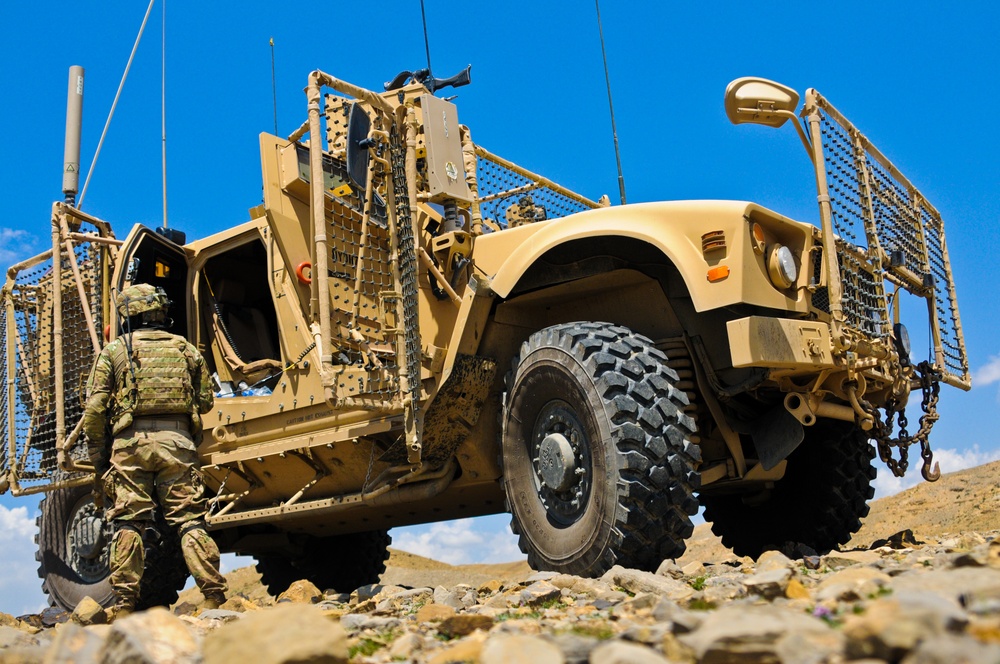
point(141, 299)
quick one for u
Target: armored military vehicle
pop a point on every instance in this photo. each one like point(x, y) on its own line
point(410, 328)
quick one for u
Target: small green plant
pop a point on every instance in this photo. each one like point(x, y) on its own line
point(598, 630)
point(699, 604)
point(364, 647)
point(699, 582)
point(552, 603)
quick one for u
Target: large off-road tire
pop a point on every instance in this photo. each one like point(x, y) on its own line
point(341, 563)
point(819, 502)
point(599, 466)
point(74, 545)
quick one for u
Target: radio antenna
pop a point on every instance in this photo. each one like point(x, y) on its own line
point(427, 44)
point(163, 102)
point(607, 78)
point(274, 89)
point(114, 104)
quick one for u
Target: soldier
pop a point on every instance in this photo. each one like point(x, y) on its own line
point(145, 397)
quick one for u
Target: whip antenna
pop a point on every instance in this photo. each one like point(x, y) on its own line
point(163, 103)
point(427, 44)
point(607, 78)
point(274, 89)
point(90, 171)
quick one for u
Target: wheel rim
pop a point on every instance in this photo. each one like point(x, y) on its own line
point(87, 536)
point(561, 461)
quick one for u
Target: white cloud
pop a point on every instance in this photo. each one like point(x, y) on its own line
point(461, 542)
point(886, 484)
point(988, 373)
point(15, 245)
point(20, 587)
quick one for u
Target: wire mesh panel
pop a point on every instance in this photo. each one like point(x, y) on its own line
point(28, 332)
point(886, 230)
point(510, 196)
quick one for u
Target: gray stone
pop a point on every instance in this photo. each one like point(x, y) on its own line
point(723, 589)
point(950, 649)
point(769, 584)
point(842, 559)
point(538, 592)
point(541, 576)
point(967, 585)
point(457, 597)
point(222, 615)
point(649, 635)
point(851, 584)
point(575, 648)
point(812, 647)
point(749, 632)
point(155, 636)
point(636, 581)
point(772, 560)
point(76, 644)
point(681, 620)
point(27, 655)
point(366, 592)
point(637, 603)
point(619, 652)
point(11, 637)
point(671, 569)
point(284, 634)
point(354, 622)
point(893, 626)
point(520, 649)
point(406, 646)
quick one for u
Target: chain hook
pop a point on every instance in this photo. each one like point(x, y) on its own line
point(928, 474)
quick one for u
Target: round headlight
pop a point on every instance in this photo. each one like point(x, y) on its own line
point(781, 266)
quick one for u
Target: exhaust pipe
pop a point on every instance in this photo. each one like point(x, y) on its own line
point(74, 121)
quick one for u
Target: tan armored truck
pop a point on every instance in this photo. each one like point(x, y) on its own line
point(410, 328)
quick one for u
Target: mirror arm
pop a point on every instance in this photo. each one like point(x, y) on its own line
point(798, 127)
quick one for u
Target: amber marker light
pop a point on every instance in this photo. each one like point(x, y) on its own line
point(718, 273)
point(757, 237)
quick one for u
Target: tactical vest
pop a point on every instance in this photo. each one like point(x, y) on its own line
point(154, 379)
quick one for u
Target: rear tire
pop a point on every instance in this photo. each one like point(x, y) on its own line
point(599, 466)
point(819, 502)
point(341, 563)
point(74, 545)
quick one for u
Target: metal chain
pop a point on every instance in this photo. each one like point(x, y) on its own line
point(882, 431)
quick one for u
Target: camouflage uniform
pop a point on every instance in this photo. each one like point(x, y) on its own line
point(148, 389)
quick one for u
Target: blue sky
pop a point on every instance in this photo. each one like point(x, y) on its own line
point(918, 78)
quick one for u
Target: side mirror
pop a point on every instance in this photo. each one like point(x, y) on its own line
point(358, 126)
point(760, 101)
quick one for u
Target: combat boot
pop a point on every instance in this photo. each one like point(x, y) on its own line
point(119, 611)
point(213, 601)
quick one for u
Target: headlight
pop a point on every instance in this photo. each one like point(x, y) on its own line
point(781, 266)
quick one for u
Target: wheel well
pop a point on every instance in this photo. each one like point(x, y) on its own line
point(597, 275)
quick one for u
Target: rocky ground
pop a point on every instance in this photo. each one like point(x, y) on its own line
point(913, 589)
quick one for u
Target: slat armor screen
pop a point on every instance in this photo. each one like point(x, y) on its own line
point(29, 400)
point(887, 230)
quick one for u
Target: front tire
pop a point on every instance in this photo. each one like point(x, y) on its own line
point(599, 465)
point(819, 502)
